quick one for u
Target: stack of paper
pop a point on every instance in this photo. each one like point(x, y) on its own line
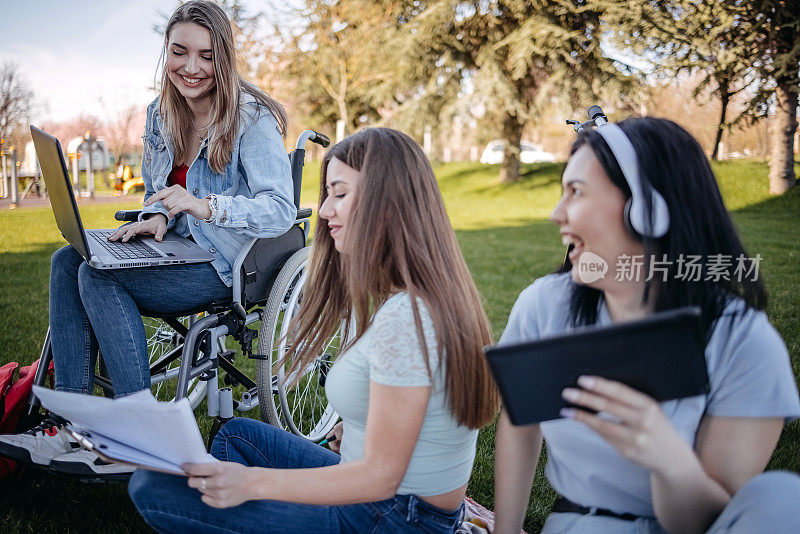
point(136, 429)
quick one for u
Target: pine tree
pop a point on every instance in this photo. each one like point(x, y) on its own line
point(518, 56)
point(696, 37)
point(738, 44)
point(776, 24)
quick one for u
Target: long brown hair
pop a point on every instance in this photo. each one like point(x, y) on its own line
point(226, 93)
point(399, 239)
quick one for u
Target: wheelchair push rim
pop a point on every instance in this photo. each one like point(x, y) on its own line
point(300, 408)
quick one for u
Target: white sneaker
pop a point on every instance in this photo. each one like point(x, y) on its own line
point(38, 445)
point(87, 463)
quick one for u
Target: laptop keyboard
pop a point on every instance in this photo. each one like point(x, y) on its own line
point(131, 250)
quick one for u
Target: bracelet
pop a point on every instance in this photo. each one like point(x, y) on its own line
point(213, 206)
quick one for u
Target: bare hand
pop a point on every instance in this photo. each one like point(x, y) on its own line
point(156, 225)
point(639, 431)
point(177, 200)
point(224, 484)
point(338, 430)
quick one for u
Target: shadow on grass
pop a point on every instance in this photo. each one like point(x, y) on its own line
point(532, 176)
point(39, 502)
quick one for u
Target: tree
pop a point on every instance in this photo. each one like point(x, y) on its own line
point(689, 37)
point(340, 57)
point(16, 105)
point(122, 135)
point(739, 44)
point(66, 131)
point(518, 56)
point(776, 24)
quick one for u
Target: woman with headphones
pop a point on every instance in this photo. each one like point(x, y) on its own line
point(620, 461)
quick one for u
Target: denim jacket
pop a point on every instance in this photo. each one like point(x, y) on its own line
point(255, 191)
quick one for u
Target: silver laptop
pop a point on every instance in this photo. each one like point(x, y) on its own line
point(93, 245)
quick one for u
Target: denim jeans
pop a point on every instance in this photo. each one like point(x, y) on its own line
point(168, 504)
point(92, 307)
point(767, 503)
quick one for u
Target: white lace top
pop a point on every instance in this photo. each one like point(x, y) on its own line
point(389, 353)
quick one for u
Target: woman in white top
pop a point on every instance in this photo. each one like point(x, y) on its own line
point(686, 465)
point(413, 387)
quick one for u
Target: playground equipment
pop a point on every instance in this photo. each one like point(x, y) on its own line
point(87, 154)
point(8, 156)
point(126, 181)
point(12, 170)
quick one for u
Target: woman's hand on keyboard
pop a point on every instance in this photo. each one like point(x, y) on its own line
point(156, 226)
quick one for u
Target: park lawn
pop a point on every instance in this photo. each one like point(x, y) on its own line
point(507, 241)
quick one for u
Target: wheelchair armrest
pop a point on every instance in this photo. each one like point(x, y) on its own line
point(133, 215)
point(258, 263)
point(127, 215)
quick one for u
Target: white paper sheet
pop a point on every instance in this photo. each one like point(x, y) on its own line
point(166, 430)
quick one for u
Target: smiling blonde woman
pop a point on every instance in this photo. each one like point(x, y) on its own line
point(214, 168)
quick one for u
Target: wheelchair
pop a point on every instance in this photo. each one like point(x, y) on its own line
point(189, 355)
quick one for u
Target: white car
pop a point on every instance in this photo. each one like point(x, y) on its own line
point(493, 153)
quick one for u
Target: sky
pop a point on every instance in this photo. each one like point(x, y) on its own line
point(85, 56)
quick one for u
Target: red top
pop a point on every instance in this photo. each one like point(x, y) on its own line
point(178, 176)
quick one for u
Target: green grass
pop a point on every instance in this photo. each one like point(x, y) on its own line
point(507, 241)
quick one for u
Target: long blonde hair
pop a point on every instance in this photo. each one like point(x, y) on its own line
point(401, 240)
point(227, 92)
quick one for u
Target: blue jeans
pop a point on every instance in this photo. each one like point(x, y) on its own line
point(92, 307)
point(168, 504)
point(767, 503)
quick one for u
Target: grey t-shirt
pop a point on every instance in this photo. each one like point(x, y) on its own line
point(749, 374)
point(390, 353)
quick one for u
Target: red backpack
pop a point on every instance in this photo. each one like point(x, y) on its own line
point(14, 396)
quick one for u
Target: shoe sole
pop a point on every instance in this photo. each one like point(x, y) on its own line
point(84, 470)
point(19, 454)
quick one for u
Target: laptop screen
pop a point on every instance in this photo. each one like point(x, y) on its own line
point(59, 188)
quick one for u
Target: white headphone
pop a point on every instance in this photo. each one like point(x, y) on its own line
point(636, 218)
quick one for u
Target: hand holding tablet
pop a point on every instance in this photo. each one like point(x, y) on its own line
point(662, 356)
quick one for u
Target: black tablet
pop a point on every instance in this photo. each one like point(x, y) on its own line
point(662, 356)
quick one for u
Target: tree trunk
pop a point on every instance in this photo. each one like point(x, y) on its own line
point(725, 97)
point(512, 134)
point(781, 165)
point(343, 116)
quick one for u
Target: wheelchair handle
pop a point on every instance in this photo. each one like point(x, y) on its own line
point(314, 137)
point(596, 118)
point(127, 215)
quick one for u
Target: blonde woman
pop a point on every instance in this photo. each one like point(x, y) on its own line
point(215, 169)
point(412, 387)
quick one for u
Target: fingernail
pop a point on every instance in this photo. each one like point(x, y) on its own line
point(570, 394)
point(587, 382)
point(567, 413)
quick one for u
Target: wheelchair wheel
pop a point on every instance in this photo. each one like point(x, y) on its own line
point(163, 342)
point(300, 407)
